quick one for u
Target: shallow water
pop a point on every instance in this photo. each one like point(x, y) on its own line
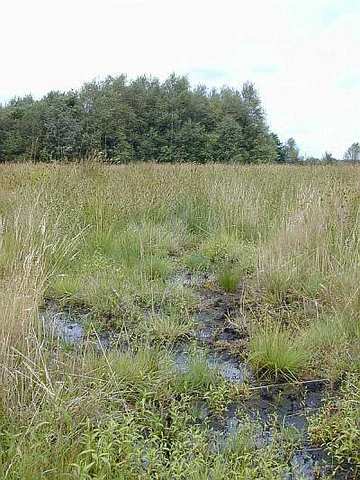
point(285, 406)
point(69, 326)
point(289, 405)
point(227, 366)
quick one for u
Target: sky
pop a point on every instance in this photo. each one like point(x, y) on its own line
point(302, 55)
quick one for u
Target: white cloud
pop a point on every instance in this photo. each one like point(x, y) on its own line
point(302, 57)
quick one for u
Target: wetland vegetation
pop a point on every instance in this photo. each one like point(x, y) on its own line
point(179, 321)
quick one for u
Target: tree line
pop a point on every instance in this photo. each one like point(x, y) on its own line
point(352, 155)
point(142, 120)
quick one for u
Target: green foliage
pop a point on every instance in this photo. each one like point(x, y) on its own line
point(279, 286)
point(140, 370)
point(197, 262)
point(352, 154)
point(329, 332)
point(138, 120)
point(291, 151)
point(115, 241)
point(236, 257)
point(167, 328)
point(141, 442)
point(156, 267)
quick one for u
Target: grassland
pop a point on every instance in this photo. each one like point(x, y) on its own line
point(278, 246)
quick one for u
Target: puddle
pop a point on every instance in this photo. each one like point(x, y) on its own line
point(229, 334)
point(308, 464)
point(229, 368)
point(291, 404)
point(285, 406)
point(65, 329)
point(211, 321)
point(69, 326)
point(215, 307)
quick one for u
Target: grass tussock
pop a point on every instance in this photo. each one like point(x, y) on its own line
point(168, 328)
point(229, 278)
point(277, 351)
point(108, 241)
point(199, 377)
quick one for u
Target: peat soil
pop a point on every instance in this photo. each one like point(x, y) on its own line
point(222, 341)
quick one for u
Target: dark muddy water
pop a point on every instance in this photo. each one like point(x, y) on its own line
point(69, 326)
point(217, 339)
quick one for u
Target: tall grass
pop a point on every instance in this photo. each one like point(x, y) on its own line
point(275, 350)
point(108, 239)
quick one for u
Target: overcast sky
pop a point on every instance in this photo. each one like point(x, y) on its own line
point(303, 55)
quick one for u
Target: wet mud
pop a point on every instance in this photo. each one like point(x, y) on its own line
point(221, 341)
point(281, 406)
point(69, 326)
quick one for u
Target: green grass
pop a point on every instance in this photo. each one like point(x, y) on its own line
point(168, 328)
point(337, 425)
point(156, 267)
point(199, 376)
point(220, 247)
point(278, 352)
point(279, 286)
point(329, 332)
point(197, 262)
point(108, 240)
point(229, 278)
